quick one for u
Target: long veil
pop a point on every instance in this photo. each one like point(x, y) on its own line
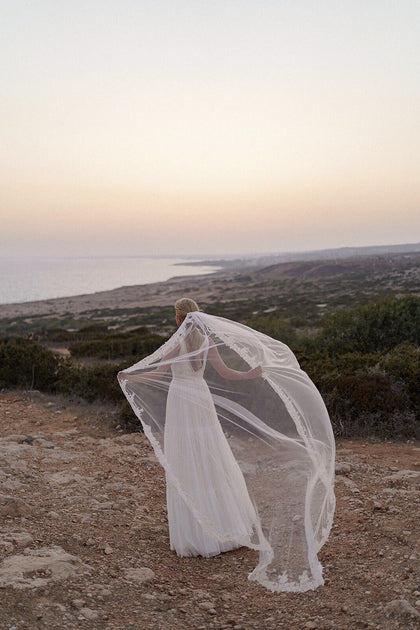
point(277, 428)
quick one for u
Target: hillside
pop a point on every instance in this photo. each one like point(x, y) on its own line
point(303, 288)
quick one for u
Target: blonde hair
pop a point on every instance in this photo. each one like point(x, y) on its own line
point(183, 306)
point(194, 340)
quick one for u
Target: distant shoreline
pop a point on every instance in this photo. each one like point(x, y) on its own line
point(29, 279)
point(338, 253)
point(145, 295)
point(259, 279)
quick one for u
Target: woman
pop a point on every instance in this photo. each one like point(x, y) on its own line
point(247, 450)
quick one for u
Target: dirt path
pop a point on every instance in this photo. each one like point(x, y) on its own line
point(84, 539)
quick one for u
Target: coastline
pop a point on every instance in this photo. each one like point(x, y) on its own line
point(320, 284)
point(161, 293)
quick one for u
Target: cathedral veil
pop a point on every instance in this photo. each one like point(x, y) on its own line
point(274, 422)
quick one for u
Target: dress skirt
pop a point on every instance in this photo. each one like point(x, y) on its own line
point(201, 459)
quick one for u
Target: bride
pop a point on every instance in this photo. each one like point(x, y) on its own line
point(246, 444)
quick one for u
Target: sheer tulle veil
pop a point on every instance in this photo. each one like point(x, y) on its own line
point(275, 424)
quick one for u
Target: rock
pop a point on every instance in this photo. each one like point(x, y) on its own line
point(131, 438)
point(401, 607)
point(11, 506)
point(408, 477)
point(349, 483)
point(78, 603)
point(88, 613)
point(29, 439)
point(206, 605)
point(42, 443)
point(108, 550)
point(11, 485)
point(38, 567)
point(15, 539)
point(107, 505)
point(374, 505)
point(19, 438)
point(140, 575)
point(63, 478)
point(205, 595)
point(342, 468)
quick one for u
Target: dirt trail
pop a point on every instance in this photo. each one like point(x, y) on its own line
point(84, 538)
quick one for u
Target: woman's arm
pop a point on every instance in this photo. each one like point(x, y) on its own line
point(154, 374)
point(227, 372)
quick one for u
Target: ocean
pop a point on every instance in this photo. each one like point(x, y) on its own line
point(28, 279)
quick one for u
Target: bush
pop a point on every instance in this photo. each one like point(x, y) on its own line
point(91, 382)
point(322, 368)
point(276, 327)
point(25, 363)
point(58, 335)
point(118, 346)
point(92, 331)
point(402, 364)
point(373, 327)
point(369, 405)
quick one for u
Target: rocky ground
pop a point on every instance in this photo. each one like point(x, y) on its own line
point(84, 538)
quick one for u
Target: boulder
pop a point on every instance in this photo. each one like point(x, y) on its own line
point(12, 506)
point(38, 567)
point(140, 575)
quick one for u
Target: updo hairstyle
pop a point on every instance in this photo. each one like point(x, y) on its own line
point(183, 306)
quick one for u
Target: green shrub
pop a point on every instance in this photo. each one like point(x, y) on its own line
point(276, 327)
point(118, 346)
point(369, 405)
point(373, 327)
point(402, 364)
point(323, 368)
point(92, 331)
point(58, 335)
point(90, 382)
point(25, 363)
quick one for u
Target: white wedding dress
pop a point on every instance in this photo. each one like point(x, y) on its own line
point(248, 461)
point(202, 461)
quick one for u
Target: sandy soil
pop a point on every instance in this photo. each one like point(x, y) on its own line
point(84, 538)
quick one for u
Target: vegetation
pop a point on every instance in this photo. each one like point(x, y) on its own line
point(26, 364)
point(138, 343)
point(365, 361)
point(366, 364)
point(97, 381)
point(373, 327)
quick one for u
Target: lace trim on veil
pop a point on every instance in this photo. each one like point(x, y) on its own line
point(259, 574)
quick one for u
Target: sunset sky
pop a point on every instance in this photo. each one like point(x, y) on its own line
point(208, 126)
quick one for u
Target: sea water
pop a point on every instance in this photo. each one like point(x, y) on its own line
point(28, 279)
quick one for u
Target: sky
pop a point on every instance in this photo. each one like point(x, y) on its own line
point(208, 127)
